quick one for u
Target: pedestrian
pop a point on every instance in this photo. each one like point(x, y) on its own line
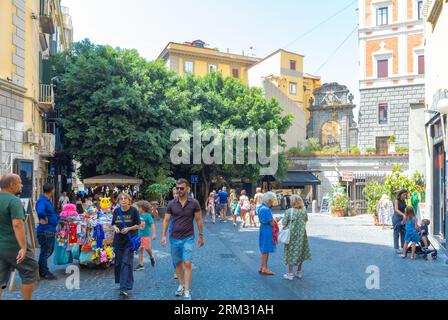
point(124, 230)
point(258, 199)
point(154, 212)
point(385, 211)
point(79, 207)
point(170, 228)
point(253, 208)
point(15, 252)
point(266, 240)
point(46, 231)
point(216, 199)
point(412, 233)
point(236, 210)
point(89, 202)
point(297, 250)
point(424, 232)
point(147, 232)
point(223, 198)
point(184, 211)
point(210, 208)
point(63, 200)
point(398, 220)
point(245, 206)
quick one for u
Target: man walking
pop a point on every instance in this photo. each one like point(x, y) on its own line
point(15, 253)
point(184, 211)
point(46, 231)
point(223, 198)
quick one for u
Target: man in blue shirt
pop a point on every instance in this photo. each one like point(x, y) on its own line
point(223, 204)
point(46, 231)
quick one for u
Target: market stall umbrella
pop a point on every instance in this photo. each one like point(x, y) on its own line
point(111, 179)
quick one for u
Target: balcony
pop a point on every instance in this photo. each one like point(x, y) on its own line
point(46, 97)
point(47, 144)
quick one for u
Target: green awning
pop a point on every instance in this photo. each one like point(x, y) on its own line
point(298, 178)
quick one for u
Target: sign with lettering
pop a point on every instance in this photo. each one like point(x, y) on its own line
point(325, 205)
point(347, 177)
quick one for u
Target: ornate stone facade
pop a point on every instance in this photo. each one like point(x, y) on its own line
point(332, 120)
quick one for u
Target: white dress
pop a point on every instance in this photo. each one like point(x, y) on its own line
point(385, 214)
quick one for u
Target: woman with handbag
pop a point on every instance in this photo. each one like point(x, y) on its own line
point(297, 250)
point(266, 239)
point(125, 222)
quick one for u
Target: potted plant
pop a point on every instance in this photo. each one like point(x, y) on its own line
point(339, 204)
point(159, 192)
point(372, 193)
point(392, 145)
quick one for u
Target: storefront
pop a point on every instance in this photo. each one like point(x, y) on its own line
point(437, 188)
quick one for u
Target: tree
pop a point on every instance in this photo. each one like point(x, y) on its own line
point(226, 103)
point(114, 111)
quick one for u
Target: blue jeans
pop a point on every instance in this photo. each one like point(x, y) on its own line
point(46, 242)
point(182, 250)
point(399, 231)
point(124, 267)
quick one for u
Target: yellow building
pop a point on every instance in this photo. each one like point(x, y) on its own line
point(197, 58)
point(30, 30)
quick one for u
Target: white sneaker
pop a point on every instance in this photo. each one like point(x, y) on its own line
point(180, 291)
point(187, 295)
point(299, 275)
point(288, 276)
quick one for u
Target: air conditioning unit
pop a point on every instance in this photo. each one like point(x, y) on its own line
point(31, 138)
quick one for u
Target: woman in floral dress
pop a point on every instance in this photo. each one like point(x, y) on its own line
point(298, 249)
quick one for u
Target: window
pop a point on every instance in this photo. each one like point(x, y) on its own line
point(189, 66)
point(236, 73)
point(212, 68)
point(420, 10)
point(382, 113)
point(293, 88)
point(383, 66)
point(382, 16)
point(421, 64)
point(24, 168)
point(292, 64)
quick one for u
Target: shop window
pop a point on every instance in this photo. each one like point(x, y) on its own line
point(382, 113)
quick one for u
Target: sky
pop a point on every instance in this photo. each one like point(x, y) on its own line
point(237, 25)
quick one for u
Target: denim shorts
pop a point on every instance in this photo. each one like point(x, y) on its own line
point(182, 250)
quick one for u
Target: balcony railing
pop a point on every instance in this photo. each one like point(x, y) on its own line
point(46, 97)
point(47, 145)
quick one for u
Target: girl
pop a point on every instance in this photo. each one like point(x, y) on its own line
point(411, 234)
point(146, 229)
point(210, 205)
point(245, 206)
point(253, 208)
point(234, 210)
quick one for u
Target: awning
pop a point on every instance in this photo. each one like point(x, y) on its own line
point(298, 178)
point(111, 179)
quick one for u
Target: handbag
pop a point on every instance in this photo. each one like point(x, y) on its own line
point(284, 235)
point(135, 241)
point(61, 255)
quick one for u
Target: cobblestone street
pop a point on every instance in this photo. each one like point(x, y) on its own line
point(226, 268)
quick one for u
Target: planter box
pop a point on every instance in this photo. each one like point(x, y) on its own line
point(339, 213)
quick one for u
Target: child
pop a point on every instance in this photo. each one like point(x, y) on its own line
point(411, 234)
point(234, 210)
point(147, 227)
point(253, 208)
point(424, 231)
point(210, 205)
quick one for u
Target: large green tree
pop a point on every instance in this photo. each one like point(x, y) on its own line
point(114, 110)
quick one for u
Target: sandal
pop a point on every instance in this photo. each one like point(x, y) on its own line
point(260, 270)
point(268, 272)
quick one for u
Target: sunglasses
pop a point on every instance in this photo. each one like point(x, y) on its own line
point(180, 188)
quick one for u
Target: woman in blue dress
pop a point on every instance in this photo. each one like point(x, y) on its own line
point(266, 241)
point(412, 235)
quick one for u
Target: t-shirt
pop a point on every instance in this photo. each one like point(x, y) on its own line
point(223, 197)
point(424, 230)
point(245, 202)
point(132, 218)
point(258, 199)
point(10, 209)
point(148, 220)
point(63, 201)
point(183, 217)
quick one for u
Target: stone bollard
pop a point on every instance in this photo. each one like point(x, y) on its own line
point(314, 206)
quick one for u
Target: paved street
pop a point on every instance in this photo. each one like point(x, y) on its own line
point(226, 268)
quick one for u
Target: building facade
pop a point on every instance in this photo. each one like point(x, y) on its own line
point(392, 68)
point(30, 30)
point(197, 58)
point(436, 46)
